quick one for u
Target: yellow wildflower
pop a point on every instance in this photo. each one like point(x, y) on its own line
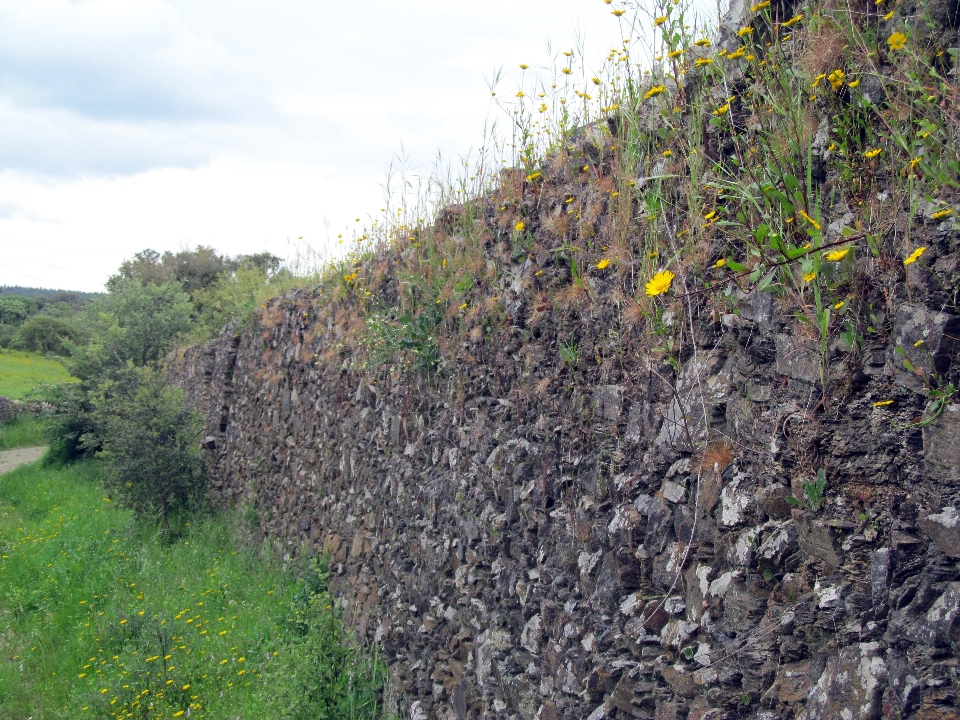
point(838, 255)
point(744, 31)
point(872, 153)
point(603, 264)
point(854, 83)
point(659, 21)
point(520, 226)
point(942, 214)
point(524, 66)
point(700, 62)
point(722, 109)
point(809, 219)
point(720, 263)
point(883, 403)
point(914, 162)
point(618, 13)
point(660, 283)
point(532, 176)
point(702, 42)
point(760, 6)
point(566, 71)
point(807, 277)
point(793, 21)
point(462, 307)
point(667, 153)
point(839, 305)
point(915, 255)
point(738, 53)
point(654, 91)
point(897, 41)
point(674, 54)
point(836, 78)
point(888, 16)
point(817, 79)
point(710, 215)
point(918, 343)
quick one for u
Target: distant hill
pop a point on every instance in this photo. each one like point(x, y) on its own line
point(63, 295)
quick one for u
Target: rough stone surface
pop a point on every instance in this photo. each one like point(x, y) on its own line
point(944, 529)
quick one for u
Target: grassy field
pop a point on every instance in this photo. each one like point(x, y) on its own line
point(100, 620)
point(21, 372)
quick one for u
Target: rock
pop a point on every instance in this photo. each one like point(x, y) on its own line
point(941, 624)
point(609, 401)
point(941, 447)
point(926, 339)
point(798, 358)
point(851, 685)
point(682, 682)
point(944, 529)
point(817, 538)
point(9, 409)
point(791, 686)
point(735, 500)
point(772, 500)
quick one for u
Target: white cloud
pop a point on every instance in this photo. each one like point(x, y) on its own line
point(157, 123)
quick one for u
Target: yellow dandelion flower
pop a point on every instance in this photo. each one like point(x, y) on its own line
point(760, 6)
point(618, 13)
point(720, 263)
point(888, 16)
point(524, 66)
point(883, 403)
point(603, 264)
point(793, 21)
point(654, 91)
point(854, 83)
point(674, 54)
point(520, 94)
point(817, 79)
point(809, 219)
point(744, 31)
point(462, 307)
point(532, 176)
point(660, 283)
point(722, 109)
point(872, 153)
point(914, 162)
point(738, 53)
point(520, 226)
point(178, 714)
point(838, 255)
point(807, 277)
point(702, 42)
point(566, 71)
point(942, 214)
point(700, 62)
point(897, 41)
point(915, 255)
point(710, 215)
point(659, 21)
point(918, 343)
point(667, 153)
point(839, 305)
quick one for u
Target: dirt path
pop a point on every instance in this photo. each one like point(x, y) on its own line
point(12, 459)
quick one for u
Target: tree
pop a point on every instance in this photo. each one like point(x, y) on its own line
point(14, 309)
point(149, 445)
point(143, 319)
point(42, 333)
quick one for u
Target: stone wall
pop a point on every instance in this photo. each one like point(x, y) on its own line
point(633, 530)
point(522, 539)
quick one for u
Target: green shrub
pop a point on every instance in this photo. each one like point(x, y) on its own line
point(45, 334)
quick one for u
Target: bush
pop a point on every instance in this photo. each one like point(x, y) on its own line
point(149, 442)
point(46, 334)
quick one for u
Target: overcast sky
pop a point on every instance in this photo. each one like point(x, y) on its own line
point(129, 124)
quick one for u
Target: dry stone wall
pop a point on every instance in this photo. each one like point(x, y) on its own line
point(525, 540)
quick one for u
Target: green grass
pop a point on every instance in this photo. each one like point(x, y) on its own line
point(100, 620)
point(26, 431)
point(21, 372)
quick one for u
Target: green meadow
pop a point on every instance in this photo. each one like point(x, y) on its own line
point(21, 372)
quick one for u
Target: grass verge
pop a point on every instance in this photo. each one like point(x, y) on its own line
point(99, 619)
point(26, 431)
